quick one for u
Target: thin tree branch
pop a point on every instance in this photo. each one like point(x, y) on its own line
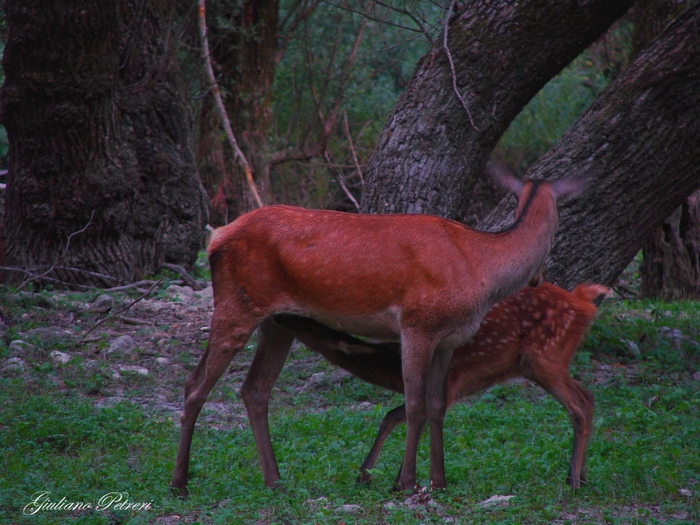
point(339, 178)
point(242, 161)
point(305, 13)
point(345, 75)
point(352, 148)
point(452, 66)
point(382, 21)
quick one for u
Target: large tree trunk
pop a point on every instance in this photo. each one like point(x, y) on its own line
point(102, 178)
point(429, 153)
point(670, 266)
point(639, 144)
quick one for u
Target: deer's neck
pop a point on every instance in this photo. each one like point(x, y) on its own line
point(519, 252)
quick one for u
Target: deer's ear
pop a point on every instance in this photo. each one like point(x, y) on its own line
point(504, 177)
point(569, 187)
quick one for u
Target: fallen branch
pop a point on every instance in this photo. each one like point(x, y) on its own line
point(189, 280)
point(242, 161)
point(122, 309)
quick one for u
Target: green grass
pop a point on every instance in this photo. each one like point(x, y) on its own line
point(511, 440)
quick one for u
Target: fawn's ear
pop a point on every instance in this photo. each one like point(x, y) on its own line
point(504, 177)
point(569, 187)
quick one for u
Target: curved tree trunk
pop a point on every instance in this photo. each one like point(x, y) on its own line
point(429, 153)
point(670, 268)
point(102, 178)
point(639, 144)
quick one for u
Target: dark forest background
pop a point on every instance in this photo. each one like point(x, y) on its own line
point(116, 159)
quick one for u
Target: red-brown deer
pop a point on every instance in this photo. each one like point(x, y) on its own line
point(533, 334)
point(418, 279)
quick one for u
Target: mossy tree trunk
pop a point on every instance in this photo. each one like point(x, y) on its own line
point(102, 178)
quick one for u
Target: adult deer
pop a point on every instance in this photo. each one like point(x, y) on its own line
point(533, 333)
point(418, 279)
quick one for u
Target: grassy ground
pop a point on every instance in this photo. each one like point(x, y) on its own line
point(76, 432)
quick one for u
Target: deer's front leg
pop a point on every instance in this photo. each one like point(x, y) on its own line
point(436, 404)
point(415, 360)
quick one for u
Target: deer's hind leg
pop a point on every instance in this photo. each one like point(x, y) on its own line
point(228, 335)
point(274, 343)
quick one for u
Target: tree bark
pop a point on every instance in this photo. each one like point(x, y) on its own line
point(429, 153)
point(638, 142)
point(670, 267)
point(102, 177)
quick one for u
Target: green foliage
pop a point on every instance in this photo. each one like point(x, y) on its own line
point(311, 79)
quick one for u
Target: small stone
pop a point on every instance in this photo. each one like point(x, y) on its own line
point(685, 492)
point(671, 333)
point(204, 298)
point(696, 376)
point(162, 361)
point(20, 348)
point(134, 369)
point(632, 348)
point(317, 378)
point(103, 303)
point(180, 293)
point(59, 357)
point(124, 345)
point(350, 509)
point(496, 500)
point(14, 363)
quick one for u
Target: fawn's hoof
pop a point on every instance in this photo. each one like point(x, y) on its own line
point(408, 489)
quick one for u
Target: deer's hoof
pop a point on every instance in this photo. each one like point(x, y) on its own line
point(365, 478)
point(179, 490)
point(438, 485)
